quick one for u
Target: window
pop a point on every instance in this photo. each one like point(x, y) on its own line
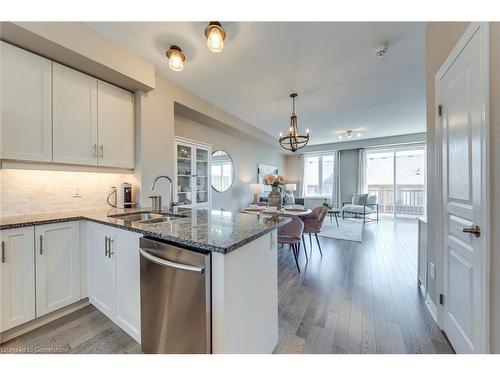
point(318, 175)
point(397, 177)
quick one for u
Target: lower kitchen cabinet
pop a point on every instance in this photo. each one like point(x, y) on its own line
point(17, 277)
point(102, 269)
point(57, 259)
point(114, 275)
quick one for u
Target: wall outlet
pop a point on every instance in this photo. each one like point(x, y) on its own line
point(432, 271)
point(77, 194)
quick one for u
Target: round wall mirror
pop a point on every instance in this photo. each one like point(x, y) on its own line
point(222, 171)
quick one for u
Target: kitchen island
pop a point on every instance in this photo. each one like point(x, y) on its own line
point(243, 268)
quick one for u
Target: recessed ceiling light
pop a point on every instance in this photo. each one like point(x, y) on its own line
point(215, 34)
point(175, 58)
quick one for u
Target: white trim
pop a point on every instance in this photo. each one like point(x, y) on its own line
point(431, 307)
point(192, 142)
point(483, 28)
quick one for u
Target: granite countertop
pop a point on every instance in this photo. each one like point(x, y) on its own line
point(202, 229)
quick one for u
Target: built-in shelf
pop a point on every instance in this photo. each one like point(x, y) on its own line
point(180, 158)
point(184, 175)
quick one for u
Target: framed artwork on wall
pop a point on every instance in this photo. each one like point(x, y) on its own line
point(262, 171)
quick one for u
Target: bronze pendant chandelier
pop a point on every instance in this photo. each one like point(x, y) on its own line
point(293, 141)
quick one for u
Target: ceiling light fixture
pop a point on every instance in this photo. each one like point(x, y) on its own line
point(175, 58)
point(293, 140)
point(215, 34)
point(349, 134)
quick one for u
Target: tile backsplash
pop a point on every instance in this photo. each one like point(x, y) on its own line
point(34, 191)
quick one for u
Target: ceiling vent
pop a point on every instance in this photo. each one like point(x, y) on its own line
point(381, 50)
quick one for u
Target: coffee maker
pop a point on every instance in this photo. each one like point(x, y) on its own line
point(123, 196)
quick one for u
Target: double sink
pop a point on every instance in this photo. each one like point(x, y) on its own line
point(146, 217)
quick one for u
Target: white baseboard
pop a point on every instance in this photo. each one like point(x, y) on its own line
point(431, 306)
point(38, 322)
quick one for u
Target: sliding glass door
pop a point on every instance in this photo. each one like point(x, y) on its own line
point(397, 177)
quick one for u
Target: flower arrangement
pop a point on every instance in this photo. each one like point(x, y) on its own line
point(274, 180)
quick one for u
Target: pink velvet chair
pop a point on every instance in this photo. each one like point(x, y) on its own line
point(313, 223)
point(291, 234)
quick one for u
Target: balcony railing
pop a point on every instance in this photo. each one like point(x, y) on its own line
point(410, 199)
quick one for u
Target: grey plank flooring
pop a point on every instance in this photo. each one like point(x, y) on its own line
point(373, 303)
point(357, 298)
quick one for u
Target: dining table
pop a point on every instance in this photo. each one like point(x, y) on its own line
point(285, 212)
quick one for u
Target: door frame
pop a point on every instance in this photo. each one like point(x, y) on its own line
point(483, 29)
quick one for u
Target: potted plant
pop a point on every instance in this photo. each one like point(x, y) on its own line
point(275, 198)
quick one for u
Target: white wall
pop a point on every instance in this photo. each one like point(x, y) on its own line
point(246, 154)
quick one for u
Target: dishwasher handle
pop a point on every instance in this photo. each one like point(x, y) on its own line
point(167, 263)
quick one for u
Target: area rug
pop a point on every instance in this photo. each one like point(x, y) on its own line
point(348, 230)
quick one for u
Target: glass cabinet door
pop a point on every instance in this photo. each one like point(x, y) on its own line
point(202, 182)
point(184, 175)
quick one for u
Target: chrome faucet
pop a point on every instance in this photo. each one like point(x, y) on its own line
point(171, 200)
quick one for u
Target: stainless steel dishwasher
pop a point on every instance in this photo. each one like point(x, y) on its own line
point(175, 299)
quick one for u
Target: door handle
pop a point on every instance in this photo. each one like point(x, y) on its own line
point(41, 245)
point(167, 263)
point(3, 251)
point(94, 150)
point(101, 147)
point(475, 230)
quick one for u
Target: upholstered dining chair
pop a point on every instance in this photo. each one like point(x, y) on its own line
point(291, 234)
point(313, 223)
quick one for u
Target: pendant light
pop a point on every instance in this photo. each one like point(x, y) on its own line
point(175, 58)
point(215, 34)
point(293, 140)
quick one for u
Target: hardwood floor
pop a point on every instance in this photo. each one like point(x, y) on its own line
point(357, 298)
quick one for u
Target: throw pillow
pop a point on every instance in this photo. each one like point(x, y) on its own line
point(359, 199)
point(288, 199)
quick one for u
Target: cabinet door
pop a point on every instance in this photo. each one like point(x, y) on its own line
point(57, 266)
point(102, 269)
point(128, 301)
point(26, 110)
point(115, 126)
point(17, 277)
point(202, 183)
point(184, 173)
point(75, 116)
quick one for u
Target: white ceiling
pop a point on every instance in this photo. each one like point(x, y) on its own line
point(341, 85)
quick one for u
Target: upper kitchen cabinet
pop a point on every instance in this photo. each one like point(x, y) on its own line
point(75, 116)
point(115, 126)
point(26, 110)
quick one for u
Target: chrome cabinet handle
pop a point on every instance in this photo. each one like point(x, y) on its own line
point(106, 246)
point(101, 148)
point(475, 230)
point(41, 245)
point(110, 241)
point(94, 150)
point(3, 251)
point(167, 263)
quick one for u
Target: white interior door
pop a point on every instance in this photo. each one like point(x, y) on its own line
point(460, 91)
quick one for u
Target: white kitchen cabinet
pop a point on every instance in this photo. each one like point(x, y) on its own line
point(192, 185)
point(128, 295)
point(102, 268)
point(26, 110)
point(57, 255)
point(75, 116)
point(17, 277)
point(115, 126)
point(115, 276)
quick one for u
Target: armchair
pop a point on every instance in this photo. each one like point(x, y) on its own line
point(361, 204)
